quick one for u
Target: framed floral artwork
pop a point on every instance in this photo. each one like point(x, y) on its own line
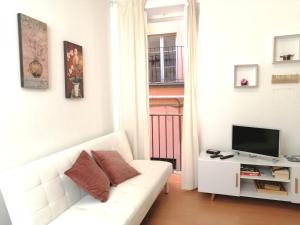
point(33, 45)
point(73, 70)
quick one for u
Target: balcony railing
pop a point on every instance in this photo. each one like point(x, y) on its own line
point(166, 138)
point(166, 65)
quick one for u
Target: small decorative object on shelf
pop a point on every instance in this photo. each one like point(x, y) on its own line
point(246, 75)
point(287, 57)
point(293, 158)
point(244, 82)
point(288, 78)
point(286, 48)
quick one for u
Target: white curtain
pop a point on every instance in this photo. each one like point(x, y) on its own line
point(133, 90)
point(190, 135)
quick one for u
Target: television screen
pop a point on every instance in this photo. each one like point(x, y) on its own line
point(255, 140)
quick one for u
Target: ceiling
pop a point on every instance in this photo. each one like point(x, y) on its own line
point(162, 11)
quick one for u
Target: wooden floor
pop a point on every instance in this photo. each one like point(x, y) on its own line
point(192, 208)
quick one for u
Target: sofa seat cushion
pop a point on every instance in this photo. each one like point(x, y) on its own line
point(128, 202)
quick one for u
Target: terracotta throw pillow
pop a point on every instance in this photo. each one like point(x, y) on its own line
point(115, 167)
point(89, 176)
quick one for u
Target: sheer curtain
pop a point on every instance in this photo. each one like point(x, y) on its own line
point(190, 135)
point(132, 75)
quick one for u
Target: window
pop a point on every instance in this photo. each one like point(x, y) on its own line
point(163, 55)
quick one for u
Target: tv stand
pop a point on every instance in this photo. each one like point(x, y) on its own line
point(223, 177)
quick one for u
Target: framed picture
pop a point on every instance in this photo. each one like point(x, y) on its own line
point(33, 45)
point(73, 70)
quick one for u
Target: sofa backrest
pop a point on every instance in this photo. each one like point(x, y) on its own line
point(38, 192)
point(115, 141)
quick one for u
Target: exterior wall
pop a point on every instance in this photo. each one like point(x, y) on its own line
point(166, 90)
point(166, 105)
point(171, 27)
point(168, 27)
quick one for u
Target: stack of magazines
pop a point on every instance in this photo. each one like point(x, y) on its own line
point(280, 172)
point(270, 187)
point(249, 170)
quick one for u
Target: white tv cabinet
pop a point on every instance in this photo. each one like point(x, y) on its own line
point(223, 177)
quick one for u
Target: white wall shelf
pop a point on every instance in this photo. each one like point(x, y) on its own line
point(286, 49)
point(245, 75)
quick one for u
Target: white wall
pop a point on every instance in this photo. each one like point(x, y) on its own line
point(241, 32)
point(36, 123)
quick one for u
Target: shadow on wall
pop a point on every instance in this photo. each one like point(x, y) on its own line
point(4, 218)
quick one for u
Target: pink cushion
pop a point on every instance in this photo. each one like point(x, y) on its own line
point(90, 177)
point(115, 167)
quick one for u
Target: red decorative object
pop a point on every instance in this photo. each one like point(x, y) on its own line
point(244, 82)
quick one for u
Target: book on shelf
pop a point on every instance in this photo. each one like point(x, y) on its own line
point(282, 177)
point(280, 172)
point(249, 170)
point(249, 173)
point(270, 187)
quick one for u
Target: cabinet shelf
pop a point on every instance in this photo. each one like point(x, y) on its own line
point(266, 174)
point(248, 189)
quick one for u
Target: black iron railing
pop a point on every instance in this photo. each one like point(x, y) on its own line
point(166, 65)
point(166, 138)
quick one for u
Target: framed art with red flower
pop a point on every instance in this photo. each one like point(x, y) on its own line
point(73, 70)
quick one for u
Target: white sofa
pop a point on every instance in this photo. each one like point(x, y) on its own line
point(39, 193)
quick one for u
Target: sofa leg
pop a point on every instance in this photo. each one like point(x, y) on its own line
point(166, 188)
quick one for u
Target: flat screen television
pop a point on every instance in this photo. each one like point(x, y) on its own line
point(255, 140)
